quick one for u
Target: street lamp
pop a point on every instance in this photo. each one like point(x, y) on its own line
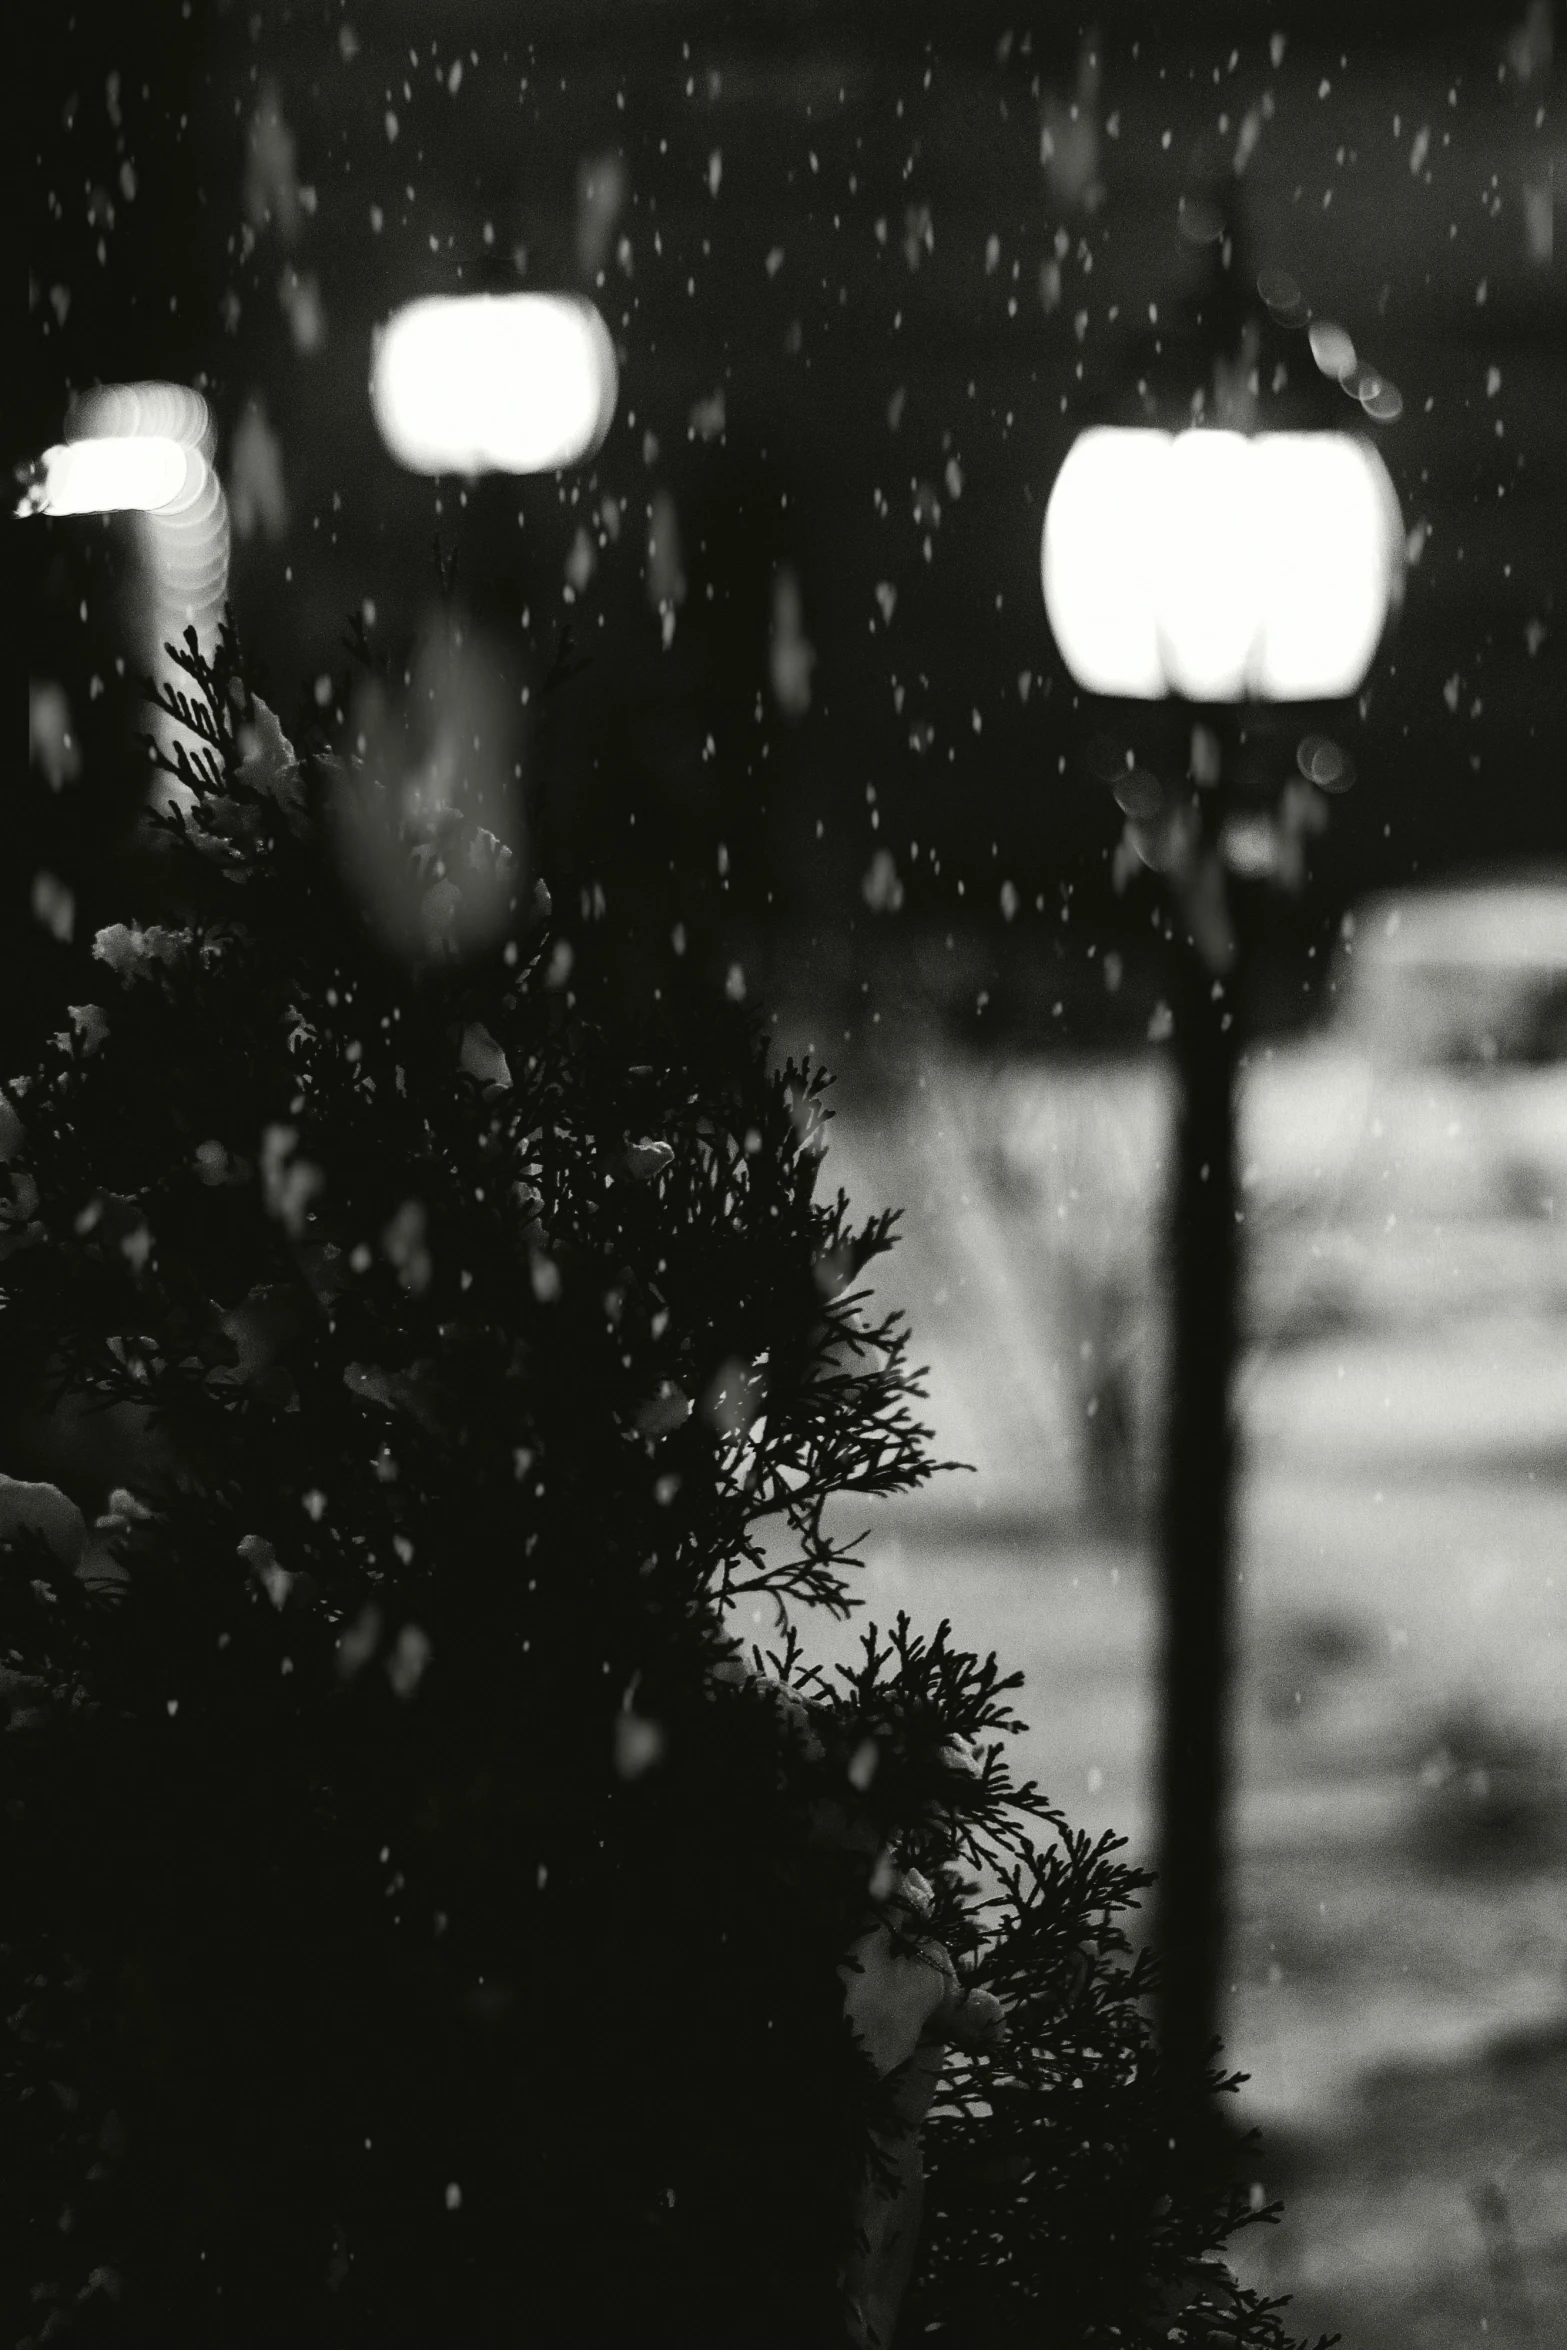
point(493, 383)
point(1220, 566)
point(1220, 569)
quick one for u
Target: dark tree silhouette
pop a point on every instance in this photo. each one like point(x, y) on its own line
point(423, 1921)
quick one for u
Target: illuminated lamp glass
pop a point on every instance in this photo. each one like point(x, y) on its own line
point(1331, 542)
point(1219, 566)
point(1094, 560)
point(493, 383)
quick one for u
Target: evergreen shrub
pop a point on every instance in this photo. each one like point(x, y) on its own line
point(425, 1920)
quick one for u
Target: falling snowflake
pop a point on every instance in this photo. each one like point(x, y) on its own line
point(881, 888)
point(791, 656)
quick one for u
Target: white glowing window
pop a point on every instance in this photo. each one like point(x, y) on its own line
point(493, 383)
point(1217, 566)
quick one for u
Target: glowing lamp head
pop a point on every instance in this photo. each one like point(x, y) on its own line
point(1220, 566)
point(493, 383)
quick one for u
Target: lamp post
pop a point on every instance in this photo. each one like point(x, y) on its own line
point(482, 384)
point(1217, 569)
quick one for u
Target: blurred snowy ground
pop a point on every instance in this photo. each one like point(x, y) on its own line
point(1399, 1957)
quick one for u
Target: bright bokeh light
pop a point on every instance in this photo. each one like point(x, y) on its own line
point(493, 383)
point(1220, 566)
point(1332, 349)
point(121, 473)
point(185, 564)
point(1099, 589)
point(147, 449)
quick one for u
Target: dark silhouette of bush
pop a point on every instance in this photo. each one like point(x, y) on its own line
point(423, 1922)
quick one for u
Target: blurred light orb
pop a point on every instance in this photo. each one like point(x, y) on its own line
point(1383, 403)
point(493, 383)
point(1220, 566)
point(1331, 348)
point(162, 432)
point(1322, 762)
point(148, 450)
point(174, 411)
point(1285, 302)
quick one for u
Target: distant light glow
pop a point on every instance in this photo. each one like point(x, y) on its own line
point(1218, 565)
point(147, 450)
point(186, 544)
point(1283, 297)
point(121, 473)
point(493, 383)
point(1383, 403)
point(1324, 763)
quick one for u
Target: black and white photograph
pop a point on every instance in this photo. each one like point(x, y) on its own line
point(783, 1177)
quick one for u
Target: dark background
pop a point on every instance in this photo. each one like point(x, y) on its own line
point(859, 358)
point(1396, 1975)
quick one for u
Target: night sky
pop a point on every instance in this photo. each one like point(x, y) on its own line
point(869, 270)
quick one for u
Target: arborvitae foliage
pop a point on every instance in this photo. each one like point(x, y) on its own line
point(422, 1925)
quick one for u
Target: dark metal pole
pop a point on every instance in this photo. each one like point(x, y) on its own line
point(1195, 1530)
